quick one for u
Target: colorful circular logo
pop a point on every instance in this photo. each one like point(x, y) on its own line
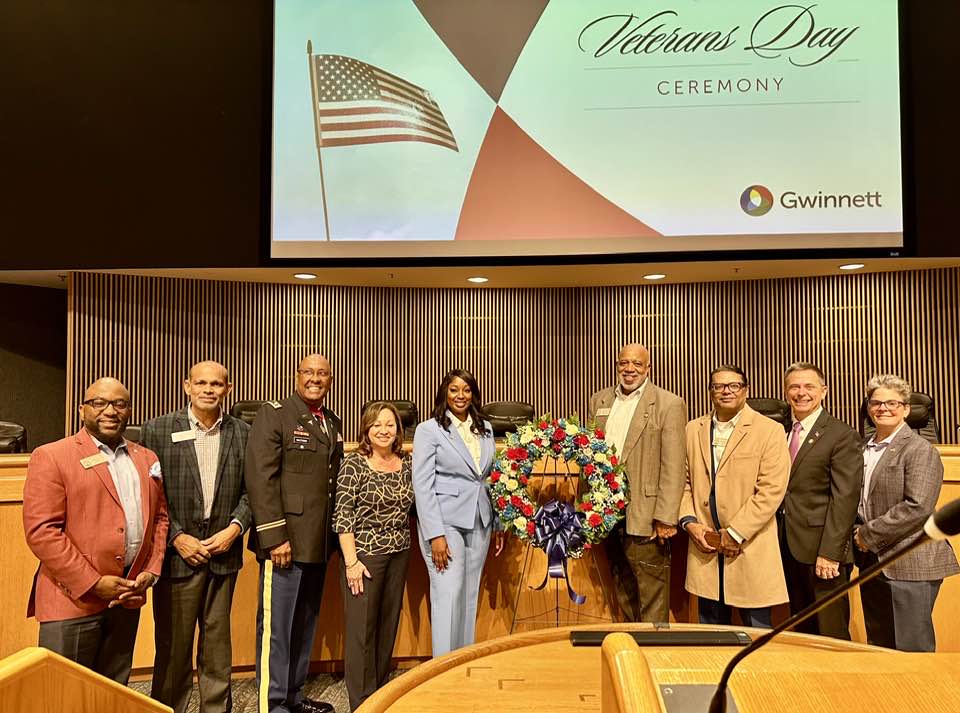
point(756, 200)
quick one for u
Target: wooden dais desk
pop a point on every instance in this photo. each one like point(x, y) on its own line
point(796, 673)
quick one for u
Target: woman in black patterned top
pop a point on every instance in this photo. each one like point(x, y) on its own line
point(371, 516)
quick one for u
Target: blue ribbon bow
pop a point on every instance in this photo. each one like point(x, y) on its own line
point(559, 529)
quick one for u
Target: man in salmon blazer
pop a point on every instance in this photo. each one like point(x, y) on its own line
point(738, 467)
point(95, 515)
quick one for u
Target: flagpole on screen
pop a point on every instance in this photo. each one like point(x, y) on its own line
point(316, 128)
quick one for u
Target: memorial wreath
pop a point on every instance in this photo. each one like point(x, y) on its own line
point(559, 528)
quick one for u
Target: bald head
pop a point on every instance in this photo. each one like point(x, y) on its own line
point(106, 410)
point(207, 386)
point(633, 366)
point(313, 379)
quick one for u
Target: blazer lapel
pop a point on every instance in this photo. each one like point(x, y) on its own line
point(189, 451)
point(88, 448)
point(487, 452)
point(227, 429)
point(453, 435)
point(820, 426)
point(739, 432)
point(705, 444)
point(889, 453)
point(309, 422)
point(641, 416)
point(606, 402)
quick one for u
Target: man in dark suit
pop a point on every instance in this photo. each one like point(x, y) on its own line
point(293, 456)
point(820, 506)
point(201, 451)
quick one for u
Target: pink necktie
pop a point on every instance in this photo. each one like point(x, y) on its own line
point(795, 440)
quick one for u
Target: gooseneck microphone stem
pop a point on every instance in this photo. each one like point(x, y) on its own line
point(718, 704)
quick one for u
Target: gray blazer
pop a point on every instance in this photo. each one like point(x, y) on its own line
point(903, 493)
point(181, 483)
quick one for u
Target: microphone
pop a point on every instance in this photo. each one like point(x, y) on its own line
point(942, 524)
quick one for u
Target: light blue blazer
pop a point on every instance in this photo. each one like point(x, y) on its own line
point(447, 486)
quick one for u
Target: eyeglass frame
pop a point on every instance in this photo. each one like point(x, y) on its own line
point(108, 402)
point(875, 404)
point(310, 373)
point(734, 387)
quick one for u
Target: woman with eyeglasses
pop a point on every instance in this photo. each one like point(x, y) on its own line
point(371, 517)
point(452, 456)
point(902, 476)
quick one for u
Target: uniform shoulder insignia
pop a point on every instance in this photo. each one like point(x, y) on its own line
point(275, 404)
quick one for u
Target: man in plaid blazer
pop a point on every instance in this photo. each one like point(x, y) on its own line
point(201, 451)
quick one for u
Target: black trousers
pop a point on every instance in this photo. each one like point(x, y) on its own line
point(370, 622)
point(804, 587)
point(102, 642)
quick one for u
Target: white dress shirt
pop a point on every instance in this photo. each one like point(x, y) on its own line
point(126, 480)
point(621, 414)
point(806, 425)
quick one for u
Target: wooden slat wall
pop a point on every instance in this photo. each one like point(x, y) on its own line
point(551, 347)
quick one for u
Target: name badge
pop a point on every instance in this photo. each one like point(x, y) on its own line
point(603, 412)
point(95, 459)
point(178, 436)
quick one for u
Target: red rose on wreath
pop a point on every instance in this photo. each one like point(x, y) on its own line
point(589, 469)
point(587, 505)
point(613, 460)
point(594, 519)
point(543, 425)
point(557, 447)
point(555, 422)
point(514, 466)
point(598, 433)
point(495, 476)
point(621, 504)
point(501, 502)
point(559, 434)
point(607, 511)
point(516, 501)
point(581, 440)
point(527, 509)
point(523, 479)
point(614, 486)
point(531, 527)
point(538, 441)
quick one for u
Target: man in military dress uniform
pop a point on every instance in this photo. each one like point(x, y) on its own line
point(293, 454)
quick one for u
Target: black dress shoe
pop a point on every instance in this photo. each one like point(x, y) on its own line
point(308, 705)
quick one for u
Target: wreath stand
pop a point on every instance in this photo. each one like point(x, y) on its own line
point(564, 612)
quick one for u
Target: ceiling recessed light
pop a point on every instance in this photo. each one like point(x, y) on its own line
point(852, 266)
point(654, 276)
point(305, 276)
point(478, 280)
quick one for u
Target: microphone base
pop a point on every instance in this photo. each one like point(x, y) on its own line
point(692, 697)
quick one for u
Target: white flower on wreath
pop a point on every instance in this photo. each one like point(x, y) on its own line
point(520, 523)
point(512, 484)
point(527, 436)
point(572, 429)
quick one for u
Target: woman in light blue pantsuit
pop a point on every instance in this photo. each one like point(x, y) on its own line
point(452, 456)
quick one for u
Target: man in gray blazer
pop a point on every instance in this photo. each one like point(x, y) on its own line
point(646, 424)
point(818, 511)
point(200, 448)
point(903, 475)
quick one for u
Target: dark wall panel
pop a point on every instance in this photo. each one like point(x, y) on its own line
point(33, 360)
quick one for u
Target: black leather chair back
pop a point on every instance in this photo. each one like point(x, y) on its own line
point(507, 416)
point(409, 415)
point(13, 437)
point(246, 410)
point(132, 433)
point(777, 409)
point(921, 418)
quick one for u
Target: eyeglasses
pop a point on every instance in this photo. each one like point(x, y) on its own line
point(890, 405)
point(310, 373)
point(624, 363)
point(733, 387)
point(101, 404)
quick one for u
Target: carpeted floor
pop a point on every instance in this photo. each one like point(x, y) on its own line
point(322, 687)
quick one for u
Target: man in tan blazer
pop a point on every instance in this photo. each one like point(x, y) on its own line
point(95, 515)
point(646, 424)
point(738, 467)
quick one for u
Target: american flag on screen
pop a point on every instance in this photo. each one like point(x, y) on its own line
point(358, 103)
